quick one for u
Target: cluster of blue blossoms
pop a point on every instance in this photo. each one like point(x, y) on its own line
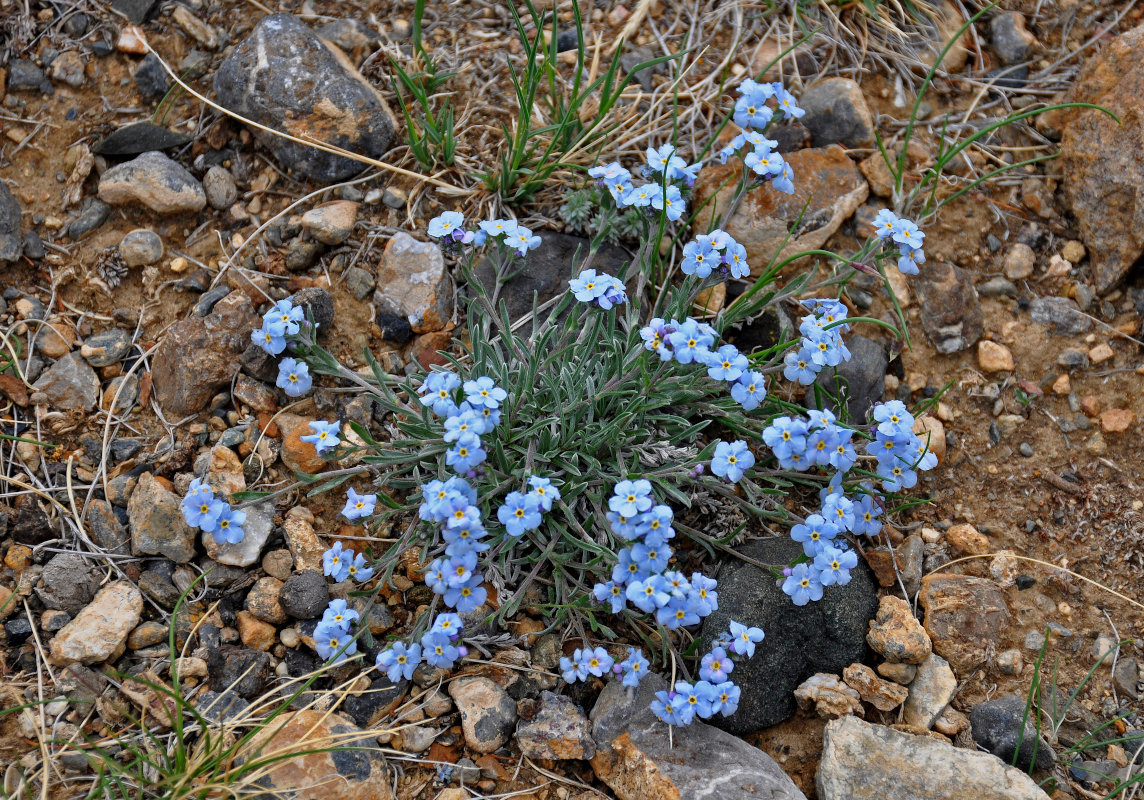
point(821, 344)
point(450, 226)
point(467, 421)
point(715, 250)
point(439, 647)
point(284, 319)
point(753, 114)
point(641, 575)
point(691, 342)
point(662, 193)
point(600, 289)
point(892, 229)
point(202, 510)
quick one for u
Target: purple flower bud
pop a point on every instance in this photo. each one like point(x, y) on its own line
point(462, 651)
point(698, 469)
point(787, 571)
point(472, 473)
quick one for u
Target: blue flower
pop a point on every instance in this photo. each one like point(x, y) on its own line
point(572, 669)
point(678, 612)
point(715, 666)
point(731, 460)
point(785, 435)
point(843, 456)
point(359, 505)
point(664, 160)
point(399, 661)
point(888, 448)
point(445, 224)
point(909, 260)
point(634, 667)
point(820, 445)
point(744, 639)
point(671, 709)
point(651, 559)
point(834, 565)
point(588, 286)
point(814, 534)
point(330, 638)
point(838, 510)
point(894, 419)
point(896, 475)
point(703, 591)
point(671, 201)
point(463, 539)
point(751, 110)
point(649, 594)
point(640, 196)
point(463, 427)
point(294, 377)
point(783, 181)
point(357, 569)
point(437, 392)
point(726, 699)
point(694, 697)
point(699, 258)
point(907, 233)
point(324, 436)
point(596, 662)
point(884, 223)
point(484, 393)
point(448, 623)
point(523, 240)
point(468, 598)
point(435, 577)
point(800, 366)
point(614, 293)
point(689, 342)
point(228, 528)
point(764, 162)
point(658, 521)
point(749, 390)
point(726, 363)
point(627, 571)
point(499, 227)
point(803, 585)
point(866, 513)
point(202, 509)
point(611, 174)
point(630, 498)
point(337, 613)
point(273, 343)
point(438, 651)
point(787, 104)
point(544, 492)
point(283, 319)
point(611, 593)
point(463, 457)
point(336, 562)
point(735, 257)
point(459, 570)
point(519, 513)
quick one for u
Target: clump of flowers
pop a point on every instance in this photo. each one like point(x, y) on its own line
point(894, 230)
point(210, 514)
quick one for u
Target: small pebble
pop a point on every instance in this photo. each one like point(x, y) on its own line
point(141, 248)
point(1026, 450)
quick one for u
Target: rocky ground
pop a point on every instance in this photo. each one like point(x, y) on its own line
point(142, 233)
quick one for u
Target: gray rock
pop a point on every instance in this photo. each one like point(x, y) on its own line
point(1060, 314)
point(488, 714)
point(826, 636)
point(159, 589)
point(636, 759)
point(349, 34)
point(932, 688)
point(139, 137)
point(69, 583)
point(106, 347)
point(25, 76)
point(134, 10)
point(630, 58)
point(359, 281)
point(99, 632)
point(1010, 38)
point(301, 254)
point(558, 730)
point(997, 287)
point(34, 246)
point(69, 384)
point(220, 188)
point(141, 248)
point(1129, 678)
point(93, 213)
point(157, 525)
point(1002, 728)
point(910, 556)
point(154, 181)
point(861, 761)
point(106, 529)
point(285, 77)
point(951, 312)
point(861, 381)
point(305, 594)
point(317, 304)
point(198, 356)
point(836, 113)
point(258, 527)
point(151, 78)
point(67, 68)
point(240, 670)
point(11, 226)
point(371, 706)
point(413, 282)
point(220, 706)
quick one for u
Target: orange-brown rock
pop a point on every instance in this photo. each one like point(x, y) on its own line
point(964, 617)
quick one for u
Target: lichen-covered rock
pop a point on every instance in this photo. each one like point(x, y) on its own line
point(488, 714)
point(557, 730)
point(285, 77)
point(412, 283)
point(964, 617)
